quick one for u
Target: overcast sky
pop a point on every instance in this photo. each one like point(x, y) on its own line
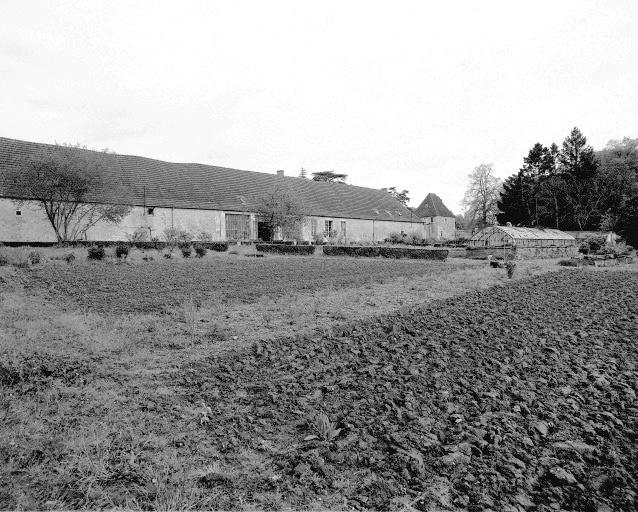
point(396, 93)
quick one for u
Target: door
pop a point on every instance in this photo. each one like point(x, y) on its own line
point(263, 232)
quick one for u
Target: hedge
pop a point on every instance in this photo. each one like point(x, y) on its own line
point(300, 250)
point(386, 252)
point(211, 246)
point(351, 250)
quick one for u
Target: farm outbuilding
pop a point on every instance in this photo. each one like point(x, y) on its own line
point(439, 221)
point(523, 243)
point(220, 202)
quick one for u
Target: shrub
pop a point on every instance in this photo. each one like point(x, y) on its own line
point(413, 253)
point(4, 261)
point(168, 255)
point(318, 239)
point(122, 250)
point(351, 250)
point(386, 252)
point(170, 236)
point(96, 252)
point(139, 235)
point(69, 257)
point(591, 245)
point(186, 249)
point(511, 267)
point(568, 263)
point(200, 250)
point(205, 236)
point(394, 238)
point(299, 250)
point(216, 246)
point(34, 257)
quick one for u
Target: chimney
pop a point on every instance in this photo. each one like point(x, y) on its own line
point(280, 173)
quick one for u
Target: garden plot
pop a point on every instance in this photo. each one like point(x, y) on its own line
point(516, 398)
point(471, 398)
point(161, 285)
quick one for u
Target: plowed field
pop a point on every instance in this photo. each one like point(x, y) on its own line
point(116, 288)
point(518, 398)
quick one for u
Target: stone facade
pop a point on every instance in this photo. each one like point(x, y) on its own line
point(31, 225)
point(440, 228)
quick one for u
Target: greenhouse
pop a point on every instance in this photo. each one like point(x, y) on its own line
point(522, 242)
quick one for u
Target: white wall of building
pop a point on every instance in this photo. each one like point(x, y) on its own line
point(440, 228)
point(361, 230)
point(33, 226)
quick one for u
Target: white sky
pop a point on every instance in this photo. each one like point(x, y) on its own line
point(410, 94)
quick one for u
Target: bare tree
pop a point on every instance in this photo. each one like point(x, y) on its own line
point(280, 208)
point(481, 196)
point(65, 181)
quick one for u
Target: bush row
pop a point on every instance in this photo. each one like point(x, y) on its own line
point(300, 250)
point(385, 252)
point(154, 244)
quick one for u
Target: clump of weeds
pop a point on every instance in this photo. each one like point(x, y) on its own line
point(326, 429)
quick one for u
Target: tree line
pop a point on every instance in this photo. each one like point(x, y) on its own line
point(571, 187)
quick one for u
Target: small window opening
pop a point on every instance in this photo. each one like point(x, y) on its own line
point(18, 213)
point(150, 210)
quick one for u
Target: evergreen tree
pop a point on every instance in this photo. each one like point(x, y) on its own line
point(585, 193)
point(628, 221)
point(521, 201)
point(329, 176)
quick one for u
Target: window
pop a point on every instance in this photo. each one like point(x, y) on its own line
point(150, 210)
point(314, 227)
point(237, 226)
point(343, 228)
point(328, 228)
point(18, 213)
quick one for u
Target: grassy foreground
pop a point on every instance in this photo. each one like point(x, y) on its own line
point(127, 409)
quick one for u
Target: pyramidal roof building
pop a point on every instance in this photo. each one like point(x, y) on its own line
point(439, 220)
point(432, 206)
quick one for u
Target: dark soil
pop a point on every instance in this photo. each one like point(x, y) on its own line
point(522, 397)
point(158, 286)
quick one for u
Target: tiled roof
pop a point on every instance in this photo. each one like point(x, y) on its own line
point(137, 181)
point(432, 206)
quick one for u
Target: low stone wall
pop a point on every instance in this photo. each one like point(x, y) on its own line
point(521, 253)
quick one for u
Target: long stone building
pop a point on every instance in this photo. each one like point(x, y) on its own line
point(203, 198)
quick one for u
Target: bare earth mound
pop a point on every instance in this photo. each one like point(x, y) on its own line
point(518, 398)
